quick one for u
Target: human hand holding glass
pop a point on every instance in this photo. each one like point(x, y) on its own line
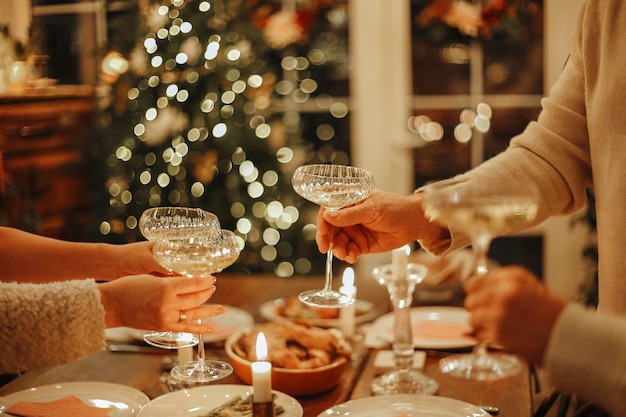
point(160, 224)
point(199, 257)
point(332, 187)
point(482, 213)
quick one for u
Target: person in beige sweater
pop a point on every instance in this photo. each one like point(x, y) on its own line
point(52, 310)
point(578, 141)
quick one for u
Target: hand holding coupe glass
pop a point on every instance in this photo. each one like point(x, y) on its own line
point(332, 187)
point(482, 214)
point(190, 242)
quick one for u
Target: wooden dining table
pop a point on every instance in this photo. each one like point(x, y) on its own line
point(142, 370)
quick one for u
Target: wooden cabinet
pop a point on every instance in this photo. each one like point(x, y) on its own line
point(44, 185)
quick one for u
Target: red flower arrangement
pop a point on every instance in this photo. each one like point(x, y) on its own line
point(441, 19)
point(283, 26)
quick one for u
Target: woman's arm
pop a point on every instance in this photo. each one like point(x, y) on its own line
point(27, 257)
point(49, 324)
point(55, 323)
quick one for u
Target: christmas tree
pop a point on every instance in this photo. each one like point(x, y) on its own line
point(205, 110)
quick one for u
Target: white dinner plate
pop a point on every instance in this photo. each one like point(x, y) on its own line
point(366, 311)
point(433, 328)
point(223, 326)
point(124, 401)
point(410, 405)
point(198, 401)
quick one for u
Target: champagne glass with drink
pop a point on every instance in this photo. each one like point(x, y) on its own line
point(199, 257)
point(482, 213)
point(332, 187)
point(162, 224)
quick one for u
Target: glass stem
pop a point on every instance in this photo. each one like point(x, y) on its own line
point(480, 246)
point(328, 285)
point(401, 293)
point(402, 335)
point(329, 268)
point(201, 354)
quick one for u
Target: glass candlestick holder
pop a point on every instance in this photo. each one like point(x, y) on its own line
point(403, 379)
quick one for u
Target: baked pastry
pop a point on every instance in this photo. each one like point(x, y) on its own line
point(294, 346)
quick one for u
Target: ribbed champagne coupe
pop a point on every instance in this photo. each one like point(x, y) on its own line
point(199, 257)
point(332, 187)
point(161, 224)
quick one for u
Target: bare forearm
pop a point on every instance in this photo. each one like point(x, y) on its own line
point(27, 257)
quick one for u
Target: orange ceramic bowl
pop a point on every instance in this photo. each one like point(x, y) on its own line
point(296, 382)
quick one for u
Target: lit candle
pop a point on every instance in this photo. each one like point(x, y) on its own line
point(261, 373)
point(400, 262)
point(347, 315)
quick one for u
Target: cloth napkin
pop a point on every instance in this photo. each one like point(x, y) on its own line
point(64, 407)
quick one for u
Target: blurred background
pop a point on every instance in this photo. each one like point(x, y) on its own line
point(110, 107)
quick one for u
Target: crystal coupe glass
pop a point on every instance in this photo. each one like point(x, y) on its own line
point(199, 257)
point(161, 224)
point(482, 213)
point(332, 187)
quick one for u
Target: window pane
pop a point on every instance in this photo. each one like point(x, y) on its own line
point(445, 36)
point(440, 158)
point(506, 123)
point(69, 41)
point(514, 66)
point(441, 68)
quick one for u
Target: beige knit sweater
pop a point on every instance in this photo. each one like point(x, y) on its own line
point(579, 140)
point(49, 324)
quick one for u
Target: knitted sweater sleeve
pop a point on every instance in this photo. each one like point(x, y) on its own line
point(49, 324)
point(586, 355)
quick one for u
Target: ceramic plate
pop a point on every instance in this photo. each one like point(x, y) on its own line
point(223, 326)
point(407, 405)
point(433, 328)
point(270, 311)
point(199, 401)
point(124, 401)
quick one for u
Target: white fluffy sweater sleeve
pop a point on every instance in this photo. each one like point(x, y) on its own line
point(49, 324)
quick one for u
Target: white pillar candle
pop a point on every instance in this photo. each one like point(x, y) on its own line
point(347, 315)
point(400, 261)
point(261, 373)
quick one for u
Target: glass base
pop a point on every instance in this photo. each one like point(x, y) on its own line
point(202, 371)
point(404, 381)
point(170, 340)
point(481, 366)
point(325, 299)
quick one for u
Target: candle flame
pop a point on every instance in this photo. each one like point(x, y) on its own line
point(348, 277)
point(261, 347)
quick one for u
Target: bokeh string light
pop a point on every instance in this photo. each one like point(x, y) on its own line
point(469, 119)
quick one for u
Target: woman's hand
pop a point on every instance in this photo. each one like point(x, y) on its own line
point(155, 303)
point(136, 258)
point(511, 308)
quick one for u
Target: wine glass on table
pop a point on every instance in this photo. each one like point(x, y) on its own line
point(332, 187)
point(400, 279)
point(170, 223)
point(199, 256)
point(482, 213)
